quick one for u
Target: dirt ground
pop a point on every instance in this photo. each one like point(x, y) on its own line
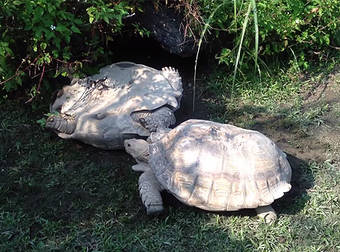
point(322, 141)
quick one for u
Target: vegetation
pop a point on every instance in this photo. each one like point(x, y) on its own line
point(58, 195)
point(42, 39)
point(40, 36)
point(297, 25)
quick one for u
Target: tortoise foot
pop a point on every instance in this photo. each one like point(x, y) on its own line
point(154, 209)
point(267, 213)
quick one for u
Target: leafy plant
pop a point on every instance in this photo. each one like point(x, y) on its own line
point(48, 38)
point(111, 11)
point(304, 27)
point(40, 38)
point(42, 121)
point(307, 28)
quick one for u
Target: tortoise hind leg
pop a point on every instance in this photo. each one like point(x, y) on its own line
point(267, 213)
point(149, 190)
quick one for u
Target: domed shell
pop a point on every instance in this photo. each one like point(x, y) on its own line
point(220, 167)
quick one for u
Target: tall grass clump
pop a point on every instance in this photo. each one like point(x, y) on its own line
point(259, 31)
point(212, 18)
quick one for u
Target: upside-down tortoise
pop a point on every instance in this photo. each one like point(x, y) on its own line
point(213, 166)
point(124, 100)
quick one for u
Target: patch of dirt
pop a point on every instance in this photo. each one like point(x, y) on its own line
point(320, 142)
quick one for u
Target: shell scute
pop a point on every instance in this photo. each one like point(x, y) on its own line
point(200, 191)
point(221, 188)
point(236, 197)
point(183, 185)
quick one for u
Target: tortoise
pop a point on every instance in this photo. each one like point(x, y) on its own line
point(124, 100)
point(212, 166)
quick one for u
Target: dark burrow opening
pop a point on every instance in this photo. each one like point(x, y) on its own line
point(149, 52)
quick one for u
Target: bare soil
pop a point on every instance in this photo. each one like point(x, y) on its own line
point(321, 142)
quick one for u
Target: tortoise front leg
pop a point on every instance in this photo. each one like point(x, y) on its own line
point(156, 119)
point(267, 213)
point(149, 190)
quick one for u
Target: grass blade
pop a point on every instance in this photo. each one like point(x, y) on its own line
point(256, 27)
point(205, 28)
point(235, 14)
point(245, 22)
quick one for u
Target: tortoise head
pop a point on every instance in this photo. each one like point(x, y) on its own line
point(138, 149)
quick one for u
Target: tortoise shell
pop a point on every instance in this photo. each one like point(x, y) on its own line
point(220, 167)
point(99, 109)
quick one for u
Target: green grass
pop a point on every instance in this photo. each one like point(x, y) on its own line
point(58, 195)
point(277, 95)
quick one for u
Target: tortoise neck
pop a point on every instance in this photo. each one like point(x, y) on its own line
point(143, 156)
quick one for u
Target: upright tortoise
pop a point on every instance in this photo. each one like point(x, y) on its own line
point(124, 100)
point(213, 166)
